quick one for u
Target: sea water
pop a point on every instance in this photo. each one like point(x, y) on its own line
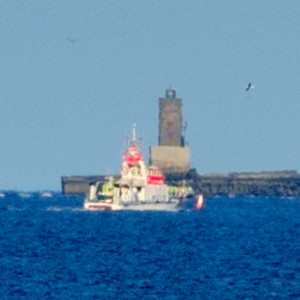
point(233, 248)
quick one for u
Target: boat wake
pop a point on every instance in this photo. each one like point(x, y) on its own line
point(64, 208)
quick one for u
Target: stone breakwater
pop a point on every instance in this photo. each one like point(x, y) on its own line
point(278, 184)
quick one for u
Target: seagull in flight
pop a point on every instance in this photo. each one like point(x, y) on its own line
point(249, 86)
point(72, 41)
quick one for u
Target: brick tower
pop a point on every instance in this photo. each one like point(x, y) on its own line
point(170, 120)
point(171, 154)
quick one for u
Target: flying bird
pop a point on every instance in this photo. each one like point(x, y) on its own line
point(72, 41)
point(249, 86)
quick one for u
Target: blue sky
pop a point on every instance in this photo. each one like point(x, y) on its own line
point(75, 75)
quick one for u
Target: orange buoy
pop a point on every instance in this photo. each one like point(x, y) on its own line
point(199, 201)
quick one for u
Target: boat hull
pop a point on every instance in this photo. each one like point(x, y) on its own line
point(97, 206)
point(160, 206)
point(148, 207)
point(184, 204)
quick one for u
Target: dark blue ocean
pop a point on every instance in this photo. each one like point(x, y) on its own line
point(234, 248)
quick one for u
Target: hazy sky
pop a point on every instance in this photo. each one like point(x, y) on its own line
point(75, 75)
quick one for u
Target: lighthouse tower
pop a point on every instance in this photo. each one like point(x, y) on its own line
point(171, 155)
point(170, 119)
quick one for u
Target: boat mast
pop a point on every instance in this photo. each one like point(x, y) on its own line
point(134, 133)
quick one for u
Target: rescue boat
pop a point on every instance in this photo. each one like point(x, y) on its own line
point(139, 186)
